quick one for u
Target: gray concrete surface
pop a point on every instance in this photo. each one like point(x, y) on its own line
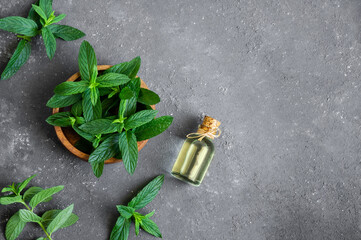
point(282, 76)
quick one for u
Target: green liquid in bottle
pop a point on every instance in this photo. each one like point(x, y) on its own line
point(193, 160)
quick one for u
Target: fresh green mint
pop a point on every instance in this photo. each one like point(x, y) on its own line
point(109, 110)
point(40, 21)
point(49, 222)
point(128, 213)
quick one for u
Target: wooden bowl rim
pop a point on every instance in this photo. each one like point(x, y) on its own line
point(64, 140)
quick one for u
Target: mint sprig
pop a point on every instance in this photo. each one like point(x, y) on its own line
point(110, 111)
point(127, 213)
point(40, 21)
point(49, 222)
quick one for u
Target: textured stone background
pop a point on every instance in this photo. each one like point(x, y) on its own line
point(282, 76)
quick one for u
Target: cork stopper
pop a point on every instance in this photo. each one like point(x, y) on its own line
point(210, 126)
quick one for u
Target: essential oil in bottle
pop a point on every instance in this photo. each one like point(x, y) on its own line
point(197, 152)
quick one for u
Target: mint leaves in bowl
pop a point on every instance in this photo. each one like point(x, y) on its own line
point(105, 113)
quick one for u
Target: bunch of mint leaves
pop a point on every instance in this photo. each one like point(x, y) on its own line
point(50, 221)
point(41, 20)
point(109, 110)
point(128, 213)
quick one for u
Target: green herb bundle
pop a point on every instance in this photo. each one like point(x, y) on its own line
point(40, 21)
point(128, 213)
point(50, 221)
point(109, 110)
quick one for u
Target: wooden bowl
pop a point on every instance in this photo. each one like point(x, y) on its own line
point(68, 137)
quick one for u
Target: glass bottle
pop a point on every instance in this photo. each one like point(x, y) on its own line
point(196, 153)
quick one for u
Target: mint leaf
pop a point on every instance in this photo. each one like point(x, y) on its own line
point(83, 134)
point(119, 68)
point(25, 183)
point(70, 88)
point(140, 118)
point(7, 189)
point(34, 16)
point(10, 200)
point(59, 101)
point(136, 227)
point(107, 149)
point(50, 215)
point(132, 102)
point(126, 93)
point(147, 194)
point(125, 211)
point(65, 32)
point(99, 126)
point(121, 229)
point(148, 97)
point(91, 112)
point(94, 95)
point(129, 148)
point(77, 109)
point(97, 168)
point(60, 219)
point(28, 216)
point(30, 193)
point(132, 67)
point(49, 41)
point(61, 119)
point(46, 6)
point(43, 195)
point(87, 61)
point(58, 18)
point(19, 25)
point(18, 59)
point(14, 227)
point(153, 128)
point(40, 12)
point(112, 80)
point(150, 227)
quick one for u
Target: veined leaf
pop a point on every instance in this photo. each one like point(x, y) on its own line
point(121, 229)
point(97, 168)
point(6, 189)
point(40, 12)
point(153, 128)
point(30, 193)
point(125, 211)
point(148, 97)
point(87, 136)
point(107, 149)
point(19, 25)
point(65, 32)
point(60, 219)
point(119, 68)
point(10, 200)
point(126, 93)
point(139, 119)
point(34, 16)
point(149, 226)
point(130, 68)
point(94, 95)
point(91, 112)
point(59, 101)
point(99, 126)
point(28, 216)
point(18, 59)
point(129, 148)
point(25, 183)
point(58, 18)
point(77, 108)
point(50, 215)
point(112, 80)
point(49, 41)
point(43, 195)
point(47, 6)
point(14, 227)
point(70, 88)
point(61, 119)
point(132, 102)
point(87, 61)
point(136, 227)
point(147, 194)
